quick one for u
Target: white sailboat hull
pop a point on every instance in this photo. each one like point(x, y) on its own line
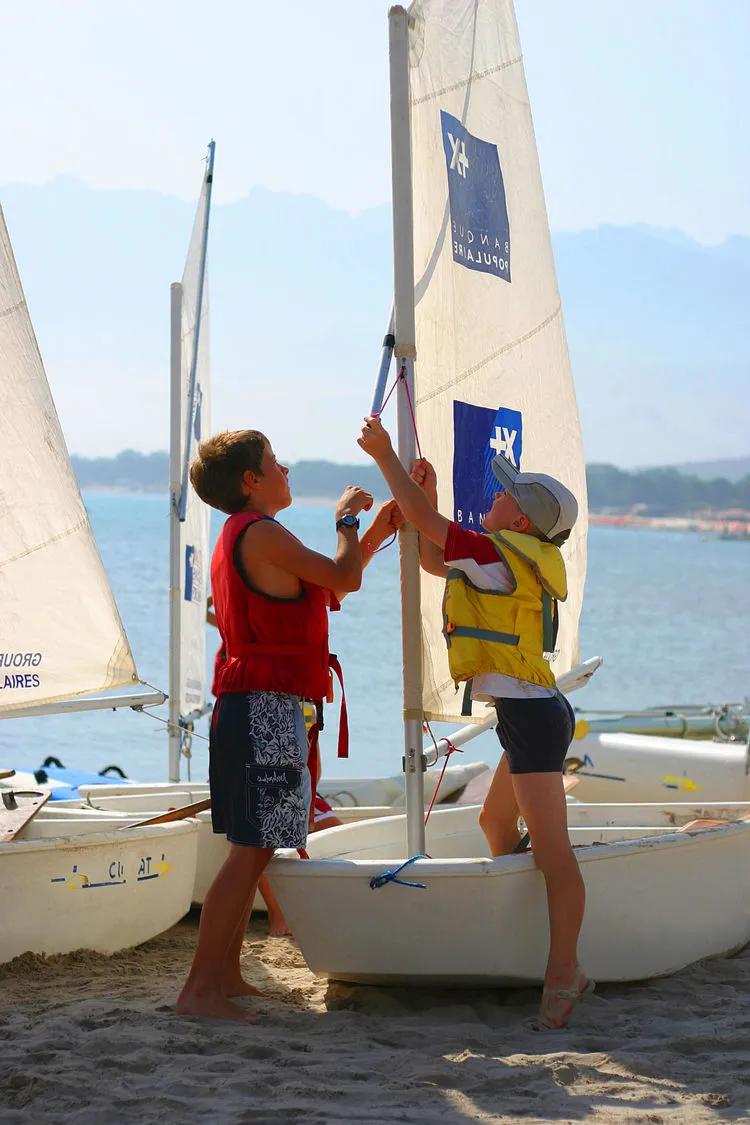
point(657, 900)
point(67, 884)
point(141, 801)
point(638, 767)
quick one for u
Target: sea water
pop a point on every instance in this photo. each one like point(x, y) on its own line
point(668, 611)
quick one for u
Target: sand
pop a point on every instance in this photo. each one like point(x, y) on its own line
point(94, 1040)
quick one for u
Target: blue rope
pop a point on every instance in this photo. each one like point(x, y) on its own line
point(393, 876)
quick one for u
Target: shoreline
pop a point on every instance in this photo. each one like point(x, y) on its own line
point(714, 524)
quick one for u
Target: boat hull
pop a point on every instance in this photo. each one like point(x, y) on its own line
point(92, 889)
point(657, 901)
point(637, 767)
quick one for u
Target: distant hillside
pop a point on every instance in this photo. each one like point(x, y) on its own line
point(657, 324)
point(732, 468)
point(130, 471)
point(664, 491)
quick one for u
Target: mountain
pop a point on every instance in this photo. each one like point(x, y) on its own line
point(731, 469)
point(299, 298)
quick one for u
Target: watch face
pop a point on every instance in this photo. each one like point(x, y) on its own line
point(349, 521)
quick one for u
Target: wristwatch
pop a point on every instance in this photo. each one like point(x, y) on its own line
point(348, 521)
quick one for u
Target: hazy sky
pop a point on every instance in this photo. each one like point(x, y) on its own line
point(640, 108)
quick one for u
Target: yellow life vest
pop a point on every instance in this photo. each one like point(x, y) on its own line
point(490, 631)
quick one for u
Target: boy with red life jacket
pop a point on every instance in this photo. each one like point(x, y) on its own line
point(270, 597)
point(502, 589)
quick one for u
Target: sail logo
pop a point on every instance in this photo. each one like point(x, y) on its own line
point(193, 574)
point(459, 159)
point(478, 210)
point(16, 681)
point(479, 435)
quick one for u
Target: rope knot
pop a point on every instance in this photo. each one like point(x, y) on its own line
point(392, 876)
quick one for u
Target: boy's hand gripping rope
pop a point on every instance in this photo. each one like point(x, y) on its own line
point(400, 378)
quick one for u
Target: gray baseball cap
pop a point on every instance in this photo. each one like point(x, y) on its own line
point(551, 507)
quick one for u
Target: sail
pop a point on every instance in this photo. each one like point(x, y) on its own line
point(191, 422)
point(492, 373)
point(60, 631)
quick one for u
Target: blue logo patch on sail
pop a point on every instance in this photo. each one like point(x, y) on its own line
point(479, 434)
point(193, 575)
point(479, 213)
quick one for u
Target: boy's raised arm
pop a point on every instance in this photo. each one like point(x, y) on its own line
point(431, 557)
point(412, 501)
point(274, 545)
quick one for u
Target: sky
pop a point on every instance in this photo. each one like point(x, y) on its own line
point(639, 108)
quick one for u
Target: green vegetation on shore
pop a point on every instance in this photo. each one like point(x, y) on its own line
point(665, 491)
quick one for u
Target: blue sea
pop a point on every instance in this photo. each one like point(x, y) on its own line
point(668, 611)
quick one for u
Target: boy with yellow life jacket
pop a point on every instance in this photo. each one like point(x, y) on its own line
point(499, 620)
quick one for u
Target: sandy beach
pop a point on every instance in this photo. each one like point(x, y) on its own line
point(93, 1039)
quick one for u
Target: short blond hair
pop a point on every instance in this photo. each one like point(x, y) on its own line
point(216, 473)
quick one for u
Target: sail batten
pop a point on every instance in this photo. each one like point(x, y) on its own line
point(61, 636)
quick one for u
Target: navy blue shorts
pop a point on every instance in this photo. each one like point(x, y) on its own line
point(260, 783)
point(535, 733)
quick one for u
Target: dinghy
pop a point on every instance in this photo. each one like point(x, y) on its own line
point(77, 882)
point(635, 767)
point(136, 802)
point(472, 920)
point(66, 882)
point(480, 349)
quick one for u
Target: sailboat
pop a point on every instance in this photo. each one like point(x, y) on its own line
point(66, 650)
point(480, 348)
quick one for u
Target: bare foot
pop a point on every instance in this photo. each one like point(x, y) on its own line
point(239, 987)
point(278, 926)
point(210, 1006)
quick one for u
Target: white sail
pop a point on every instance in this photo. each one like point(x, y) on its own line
point(190, 517)
point(492, 368)
point(60, 631)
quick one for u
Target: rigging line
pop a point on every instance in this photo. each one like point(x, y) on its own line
point(401, 378)
point(451, 750)
point(173, 727)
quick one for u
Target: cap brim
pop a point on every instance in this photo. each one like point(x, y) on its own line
point(505, 472)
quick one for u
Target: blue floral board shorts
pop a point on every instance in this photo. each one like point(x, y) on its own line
point(260, 784)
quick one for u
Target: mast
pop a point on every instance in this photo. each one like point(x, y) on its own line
point(196, 334)
point(179, 463)
point(175, 479)
point(405, 352)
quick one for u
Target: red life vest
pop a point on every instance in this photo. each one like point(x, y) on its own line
point(268, 644)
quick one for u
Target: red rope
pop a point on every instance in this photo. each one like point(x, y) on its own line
point(451, 750)
point(411, 408)
point(401, 378)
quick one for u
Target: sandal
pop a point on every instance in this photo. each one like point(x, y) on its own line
point(551, 997)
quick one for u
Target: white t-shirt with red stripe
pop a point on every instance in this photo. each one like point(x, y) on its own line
point(474, 554)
